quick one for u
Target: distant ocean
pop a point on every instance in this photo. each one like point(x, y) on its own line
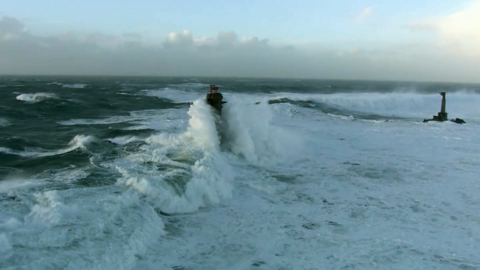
point(140, 173)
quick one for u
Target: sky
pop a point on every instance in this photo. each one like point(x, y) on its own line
point(430, 40)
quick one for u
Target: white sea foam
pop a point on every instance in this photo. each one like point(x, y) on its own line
point(175, 94)
point(75, 85)
point(342, 117)
point(9, 184)
point(79, 141)
point(189, 85)
point(147, 119)
point(124, 139)
point(122, 225)
point(4, 243)
point(54, 83)
point(107, 121)
point(206, 177)
point(248, 132)
point(37, 97)
point(71, 85)
point(459, 104)
point(4, 122)
point(294, 189)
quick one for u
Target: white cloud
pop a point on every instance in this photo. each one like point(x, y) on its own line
point(459, 31)
point(253, 40)
point(226, 54)
point(349, 52)
point(204, 41)
point(181, 39)
point(10, 28)
point(364, 14)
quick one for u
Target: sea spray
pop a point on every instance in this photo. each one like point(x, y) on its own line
point(181, 173)
point(250, 133)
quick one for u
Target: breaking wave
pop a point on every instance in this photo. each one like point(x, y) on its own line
point(396, 104)
point(180, 173)
point(78, 142)
point(37, 97)
point(250, 133)
point(75, 85)
point(173, 94)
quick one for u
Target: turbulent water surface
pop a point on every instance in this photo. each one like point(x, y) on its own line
point(139, 173)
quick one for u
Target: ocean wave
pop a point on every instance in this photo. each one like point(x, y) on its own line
point(342, 117)
point(122, 140)
point(9, 184)
point(72, 85)
point(190, 85)
point(60, 219)
point(142, 120)
point(37, 97)
point(126, 94)
point(75, 85)
point(396, 104)
point(283, 170)
point(173, 94)
point(194, 173)
point(181, 173)
point(249, 132)
point(106, 121)
point(78, 142)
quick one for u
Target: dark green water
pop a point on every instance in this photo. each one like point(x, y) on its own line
point(32, 121)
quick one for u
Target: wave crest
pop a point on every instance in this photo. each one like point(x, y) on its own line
point(37, 97)
point(79, 141)
point(180, 173)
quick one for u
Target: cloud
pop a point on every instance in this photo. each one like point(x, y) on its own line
point(227, 38)
point(10, 28)
point(252, 40)
point(225, 54)
point(134, 36)
point(182, 39)
point(458, 31)
point(364, 14)
point(100, 38)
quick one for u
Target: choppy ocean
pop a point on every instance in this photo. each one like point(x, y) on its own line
point(140, 173)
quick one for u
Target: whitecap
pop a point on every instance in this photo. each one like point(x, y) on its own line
point(75, 85)
point(78, 142)
point(37, 97)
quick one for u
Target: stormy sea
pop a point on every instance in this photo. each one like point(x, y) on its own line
point(141, 173)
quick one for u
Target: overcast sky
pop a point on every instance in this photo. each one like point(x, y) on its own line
point(429, 40)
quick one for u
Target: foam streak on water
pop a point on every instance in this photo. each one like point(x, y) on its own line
point(284, 180)
point(4, 122)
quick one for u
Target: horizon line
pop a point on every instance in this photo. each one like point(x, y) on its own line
point(242, 77)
